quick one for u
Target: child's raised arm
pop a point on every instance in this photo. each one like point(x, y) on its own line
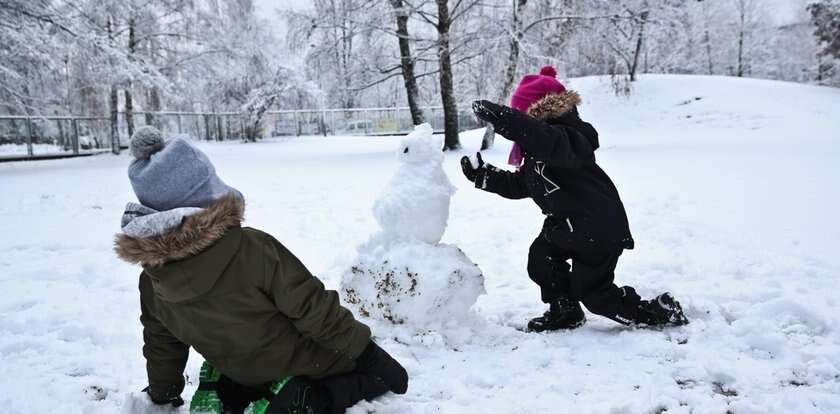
point(557, 145)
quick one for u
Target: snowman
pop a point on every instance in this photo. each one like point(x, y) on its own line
point(403, 274)
point(415, 204)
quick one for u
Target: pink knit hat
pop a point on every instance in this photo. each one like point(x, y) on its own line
point(531, 89)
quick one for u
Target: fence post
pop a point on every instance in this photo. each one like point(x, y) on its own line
point(180, 130)
point(207, 127)
point(75, 136)
point(217, 120)
point(29, 150)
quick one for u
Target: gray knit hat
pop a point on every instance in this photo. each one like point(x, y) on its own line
point(170, 174)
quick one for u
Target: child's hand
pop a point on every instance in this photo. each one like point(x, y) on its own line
point(494, 114)
point(375, 361)
point(168, 397)
point(471, 168)
point(487, 111)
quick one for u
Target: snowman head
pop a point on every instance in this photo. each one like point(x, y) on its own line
point(419, 147)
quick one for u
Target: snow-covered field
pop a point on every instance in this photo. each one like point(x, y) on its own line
point(12, 150)
point(731, 187)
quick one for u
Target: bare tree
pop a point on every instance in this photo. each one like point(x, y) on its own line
point(825, 17)
point(626, 35)
point(742, 33)
point(447, 91)
point(114, 101)
point(129, 102)
point(401, 11)
point(443, 18)
point(515, 37)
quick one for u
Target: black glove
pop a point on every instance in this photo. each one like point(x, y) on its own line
point(376, 362)
point(493, 113)
point(487, 111)
point(167, 395)
point(469, 171)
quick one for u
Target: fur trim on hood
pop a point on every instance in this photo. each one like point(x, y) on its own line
point(554, 105)
point(198, 232)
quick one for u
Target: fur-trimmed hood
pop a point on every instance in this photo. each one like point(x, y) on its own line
point(197, 233)
point(554, 105)
point(562, 109)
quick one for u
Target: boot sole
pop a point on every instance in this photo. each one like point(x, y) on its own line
point(528, 329)
point(673, 305)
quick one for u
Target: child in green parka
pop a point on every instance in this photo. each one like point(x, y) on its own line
point(276, 337)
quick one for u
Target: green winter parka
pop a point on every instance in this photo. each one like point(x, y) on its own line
point(241, 299)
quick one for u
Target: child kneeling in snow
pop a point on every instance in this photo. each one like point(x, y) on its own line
point(237, 296)
point(585, 219)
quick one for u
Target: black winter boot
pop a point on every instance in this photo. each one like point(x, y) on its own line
point(300, 396)
point(562, 314)
point(663, 310)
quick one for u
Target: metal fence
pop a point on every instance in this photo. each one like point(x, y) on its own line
point(24, 137)
point(29, 137)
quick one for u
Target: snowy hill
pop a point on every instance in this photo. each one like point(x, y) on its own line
point(731, 188)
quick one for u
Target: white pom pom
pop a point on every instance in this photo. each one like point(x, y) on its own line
point(146, 141)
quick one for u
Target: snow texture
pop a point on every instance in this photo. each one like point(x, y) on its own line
point(139, 403)
point(730, 186)
point(402, 274)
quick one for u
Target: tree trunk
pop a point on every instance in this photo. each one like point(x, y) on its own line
point(709, 52)
point(512, 67)
point(115, 132)
point(153, 103)
point(447, 92)
point(220, 135)
point(346, 57)
point(208, 132)
point(114, 102)
point(154, 106)
point(129, 112)
point(740, 53)
point(742, 14)
point(407, 62)
point(129, 102)
point(639, 40)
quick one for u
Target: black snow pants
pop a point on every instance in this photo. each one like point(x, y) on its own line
point(589, 278)
point(331, 395)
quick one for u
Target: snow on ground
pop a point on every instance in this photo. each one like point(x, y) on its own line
point(731, 187)
point(12, 150)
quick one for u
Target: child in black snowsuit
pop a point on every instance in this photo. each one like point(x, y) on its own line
point(585, 218)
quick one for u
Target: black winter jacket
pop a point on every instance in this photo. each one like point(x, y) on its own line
point(559, 172)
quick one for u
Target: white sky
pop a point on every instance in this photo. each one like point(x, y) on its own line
point(786, 11)
point(268, 7)
point(268, 10)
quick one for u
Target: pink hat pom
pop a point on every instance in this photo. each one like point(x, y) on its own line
point(548, 71)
